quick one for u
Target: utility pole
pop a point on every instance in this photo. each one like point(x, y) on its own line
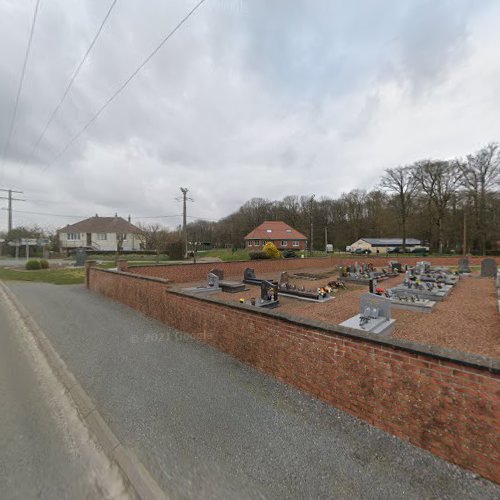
point(311, 245)
point(326, 238)
point(464, 244)
point(184, 192)
point(10, 199)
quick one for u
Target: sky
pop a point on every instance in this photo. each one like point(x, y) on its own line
point(249, 98)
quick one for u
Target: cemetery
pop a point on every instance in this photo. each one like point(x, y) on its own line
point(420, 296)
point(357, 351)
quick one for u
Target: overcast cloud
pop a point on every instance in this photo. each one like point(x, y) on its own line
point(250, 98)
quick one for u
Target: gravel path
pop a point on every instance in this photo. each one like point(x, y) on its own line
point(467, 320)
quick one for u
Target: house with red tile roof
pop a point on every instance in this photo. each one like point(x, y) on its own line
point(281, 234)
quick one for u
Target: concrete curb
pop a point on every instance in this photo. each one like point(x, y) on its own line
point(140, 481)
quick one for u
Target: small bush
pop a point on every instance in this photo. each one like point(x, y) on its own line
point(44, 263)
point(175, 250)
point(258, 255)
point(271, 251)
point(33, 265)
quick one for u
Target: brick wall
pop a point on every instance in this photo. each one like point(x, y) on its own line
point(192, 272)
point(449, 407)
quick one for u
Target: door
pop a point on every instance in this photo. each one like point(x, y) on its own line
point(89, 239)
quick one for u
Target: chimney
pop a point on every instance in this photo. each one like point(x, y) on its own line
point(116, 215)
point(128, 218)
point(96, 215)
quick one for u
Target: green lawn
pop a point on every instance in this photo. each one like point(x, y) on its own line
point(65, 276)
point(225, 254)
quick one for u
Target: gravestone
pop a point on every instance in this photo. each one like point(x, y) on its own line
point(218, 272)
point(81, 255)
point(396, 266)
point(375, 303)
point(488, 268)
point(463, 266)
point(283, 279)
point(374, 316)
point(249, 274)
point(268, 295)
point(213, 280)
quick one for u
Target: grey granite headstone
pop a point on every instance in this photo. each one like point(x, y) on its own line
point(213, 280)
point(463, 265)
point(488, 268)
point(218, 272)
point(249, 274)
point(380, 307)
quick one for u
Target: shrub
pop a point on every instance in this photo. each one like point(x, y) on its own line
point(258, 255)
point(33, 265)
point(44, 263)
point(175, 250)
point(271, 251)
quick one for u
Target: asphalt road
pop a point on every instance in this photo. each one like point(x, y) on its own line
point(207, 426)
point(45, 451)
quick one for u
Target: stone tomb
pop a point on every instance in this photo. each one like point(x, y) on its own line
point(289, 290)
point(435, 293)
point(211, 286)
point(227, 286)
point(488, 268)
point(374, 316)
point(408, 301)
point(250, 278)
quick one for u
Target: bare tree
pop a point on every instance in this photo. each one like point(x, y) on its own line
point(480, 173)
point(439, 181)
point(402, 183)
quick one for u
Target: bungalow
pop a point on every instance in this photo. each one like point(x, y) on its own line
point(281, 234)
point(106, 234)
point(383, 245)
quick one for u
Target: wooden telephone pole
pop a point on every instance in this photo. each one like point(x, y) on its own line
point(10, 199)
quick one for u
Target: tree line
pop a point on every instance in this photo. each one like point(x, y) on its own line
point(445, 203)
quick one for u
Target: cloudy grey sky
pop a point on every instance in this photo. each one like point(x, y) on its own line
point(250, 98)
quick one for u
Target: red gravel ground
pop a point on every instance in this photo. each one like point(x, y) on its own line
point(467, 320)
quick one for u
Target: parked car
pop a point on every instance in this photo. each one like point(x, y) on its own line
point(420, 251)
point(365, 251)
point(289, 254)
point(395, 250)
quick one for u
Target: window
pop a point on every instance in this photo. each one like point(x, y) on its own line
point(121, 236)
point(288, 230)
point(102, 236)
point(269, 230)
point(257, 243)
point(73, 236)
point(284, 243)
point(296, 243)
point(249, 243)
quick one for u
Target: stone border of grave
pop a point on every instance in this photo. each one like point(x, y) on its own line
point(498, 290)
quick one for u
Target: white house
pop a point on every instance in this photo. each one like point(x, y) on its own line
point(383, 245)
point(107, 234)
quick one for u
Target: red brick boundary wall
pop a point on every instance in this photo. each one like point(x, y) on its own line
point(191, 272)
point(440, 400)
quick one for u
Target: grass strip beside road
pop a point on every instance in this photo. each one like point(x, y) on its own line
point(57, 276)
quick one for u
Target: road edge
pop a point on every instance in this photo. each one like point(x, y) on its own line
point(134, 472)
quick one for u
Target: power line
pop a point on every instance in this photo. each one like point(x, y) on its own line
point(20, 86)
point(123, 85)
point(73, 78)
point(50, 215)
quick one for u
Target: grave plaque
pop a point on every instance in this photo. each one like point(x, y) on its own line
point(488, 268)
